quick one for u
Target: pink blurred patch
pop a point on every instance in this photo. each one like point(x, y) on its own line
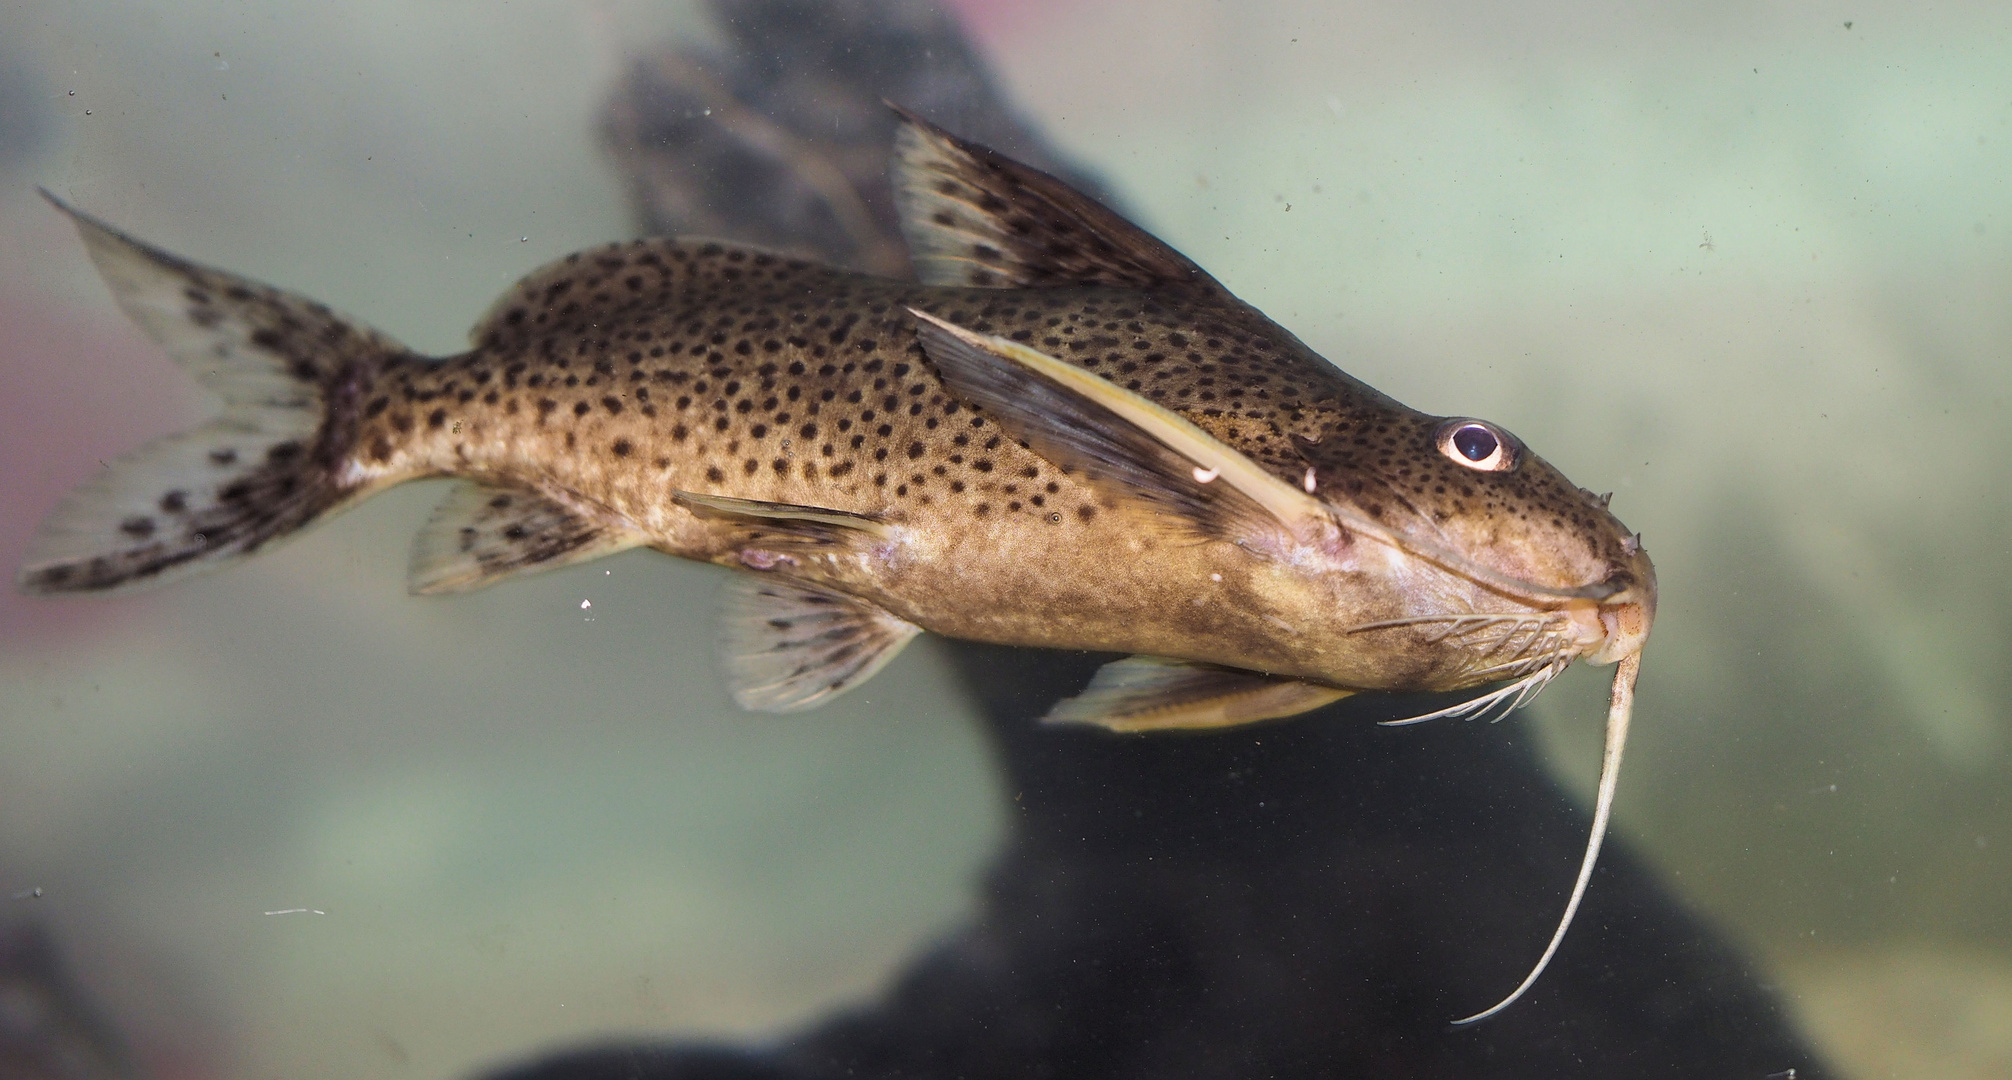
point(78, 391)
point(991, 22)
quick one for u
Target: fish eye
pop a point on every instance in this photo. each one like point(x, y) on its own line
point(1478, 445)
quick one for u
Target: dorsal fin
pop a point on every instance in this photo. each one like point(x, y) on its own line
point(976, 217)
point(593, 286)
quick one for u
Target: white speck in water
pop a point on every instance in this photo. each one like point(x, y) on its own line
point(585, 604)
point(523, 239)
point(1203, 476)
point(298, 911)
point(29, 894)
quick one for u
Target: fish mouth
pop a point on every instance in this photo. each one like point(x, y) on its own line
point(1617, 625)
point(1608, 619)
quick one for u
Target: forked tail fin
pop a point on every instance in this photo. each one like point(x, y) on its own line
point(292, 376)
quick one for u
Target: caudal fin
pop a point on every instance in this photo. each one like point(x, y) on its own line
point(292, 375)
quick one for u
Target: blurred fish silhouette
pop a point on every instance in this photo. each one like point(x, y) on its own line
point(48, 1028)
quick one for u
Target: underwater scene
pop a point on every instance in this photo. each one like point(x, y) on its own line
point(960, 596)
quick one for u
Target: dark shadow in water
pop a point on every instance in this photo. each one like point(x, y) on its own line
point(49, 1028)
point(1311, 898)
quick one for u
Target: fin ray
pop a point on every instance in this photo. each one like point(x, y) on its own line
point(289, 372)
point(1084, 422)
point(1150, 693)
point(788, 646)
point(482, 533)
point(813, 525)
point(975, 217)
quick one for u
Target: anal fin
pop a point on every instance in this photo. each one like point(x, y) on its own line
point(483, 533)
point(789, 646)
point(1148, 693)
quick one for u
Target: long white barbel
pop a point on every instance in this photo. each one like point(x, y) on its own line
point(1620, 709)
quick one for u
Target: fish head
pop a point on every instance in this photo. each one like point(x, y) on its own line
point(1486, 527)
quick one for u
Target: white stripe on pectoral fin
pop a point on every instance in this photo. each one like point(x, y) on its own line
point(1149, 693)
point(481, 534)
point(788, 646)
point(1120, 440)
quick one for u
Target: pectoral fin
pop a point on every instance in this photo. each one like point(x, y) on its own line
point(789, 646)
point(1147, 693)
point(481, 534)
point(1087, 423)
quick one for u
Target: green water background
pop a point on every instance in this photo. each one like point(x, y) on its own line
point(1746, 265)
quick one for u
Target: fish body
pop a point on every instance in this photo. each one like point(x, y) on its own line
point(728, 372)
point(1065, 435)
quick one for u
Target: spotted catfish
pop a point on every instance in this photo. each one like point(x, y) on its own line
point(1066, 435)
